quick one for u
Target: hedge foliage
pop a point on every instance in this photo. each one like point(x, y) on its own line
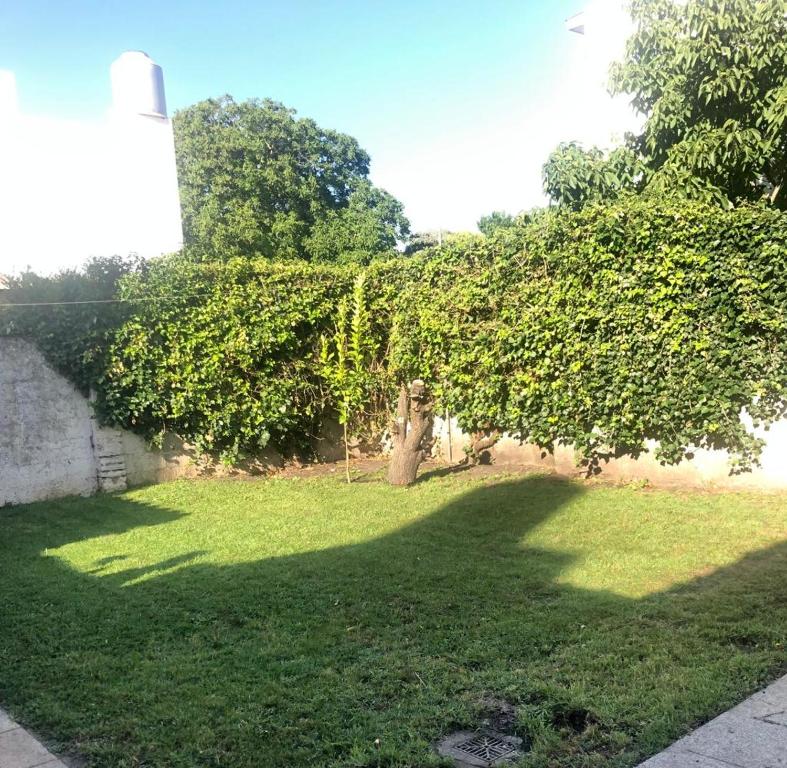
point(72, 316)
point(231, 363)
point(611, 327)
point(604, 328)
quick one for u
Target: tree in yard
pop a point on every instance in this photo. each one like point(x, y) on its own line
point(424, 241)
point(710, 78)
point(412, 433)
point(371, 225)
point(573, 175)
point(345, 361)
point(494, 221)
point(256, 180)
point(421, 241)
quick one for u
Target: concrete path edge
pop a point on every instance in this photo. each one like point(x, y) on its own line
point(751, 735)
point(18, 749)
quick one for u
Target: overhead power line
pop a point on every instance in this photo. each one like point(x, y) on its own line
point(98, 301)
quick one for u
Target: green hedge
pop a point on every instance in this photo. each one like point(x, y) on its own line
point(230, 363)
point(604, 328)
point(611, 326)
point(71, 316)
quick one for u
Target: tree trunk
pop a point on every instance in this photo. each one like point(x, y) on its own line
point(480, 445)
point(412, 433)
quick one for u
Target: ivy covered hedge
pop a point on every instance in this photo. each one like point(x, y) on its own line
point(228, 358)
point(604, 328)
point(610, 327)
point(71, 316)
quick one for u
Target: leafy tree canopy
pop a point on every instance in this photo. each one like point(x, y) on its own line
point(495, 221)
point(430, 241)
point(573, 175)
point(710, 77)
point(371, 224)
point(420, 241)
point(256, 180)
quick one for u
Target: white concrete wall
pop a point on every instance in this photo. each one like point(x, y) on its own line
point(45, 430)
point(51, 445)
point(707, 470)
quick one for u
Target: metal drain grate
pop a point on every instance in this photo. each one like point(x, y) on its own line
point(485, 747)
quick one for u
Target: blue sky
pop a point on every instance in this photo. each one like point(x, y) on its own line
point(438, 91)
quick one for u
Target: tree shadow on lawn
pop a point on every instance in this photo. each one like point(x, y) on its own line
point(306, 660)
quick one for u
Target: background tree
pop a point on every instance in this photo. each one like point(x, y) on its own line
point(420, 241)
point(423, 241)
point(254, 179)
point(710, 77)
point(496, 220)
point(370, 226)
point(573, 175)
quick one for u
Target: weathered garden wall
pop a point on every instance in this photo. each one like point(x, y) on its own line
point(51, 445)
point(46, 430)
point(708, 469)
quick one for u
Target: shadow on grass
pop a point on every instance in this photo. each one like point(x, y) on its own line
point(306, 660)
point(447, 471)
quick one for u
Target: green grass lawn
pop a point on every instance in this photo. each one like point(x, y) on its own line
point(293, 622)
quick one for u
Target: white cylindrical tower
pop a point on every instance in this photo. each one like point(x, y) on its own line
point(138, 85)
point(142, 166)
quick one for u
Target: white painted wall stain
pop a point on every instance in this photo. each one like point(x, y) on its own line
point(708, 470)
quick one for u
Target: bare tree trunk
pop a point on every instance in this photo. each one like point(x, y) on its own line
point(412, 433)
point(482, 442)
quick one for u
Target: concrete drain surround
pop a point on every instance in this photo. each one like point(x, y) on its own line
point(484, 749)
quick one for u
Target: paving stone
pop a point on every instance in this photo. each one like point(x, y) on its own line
point(740, 740)
point(18, 749)
point(776, 718)
point(751, 735)
point(6, 723)
point(759, 706)
point(674, 758)
point(777, 692)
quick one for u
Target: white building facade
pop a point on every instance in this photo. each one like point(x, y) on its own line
point(70, 189)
